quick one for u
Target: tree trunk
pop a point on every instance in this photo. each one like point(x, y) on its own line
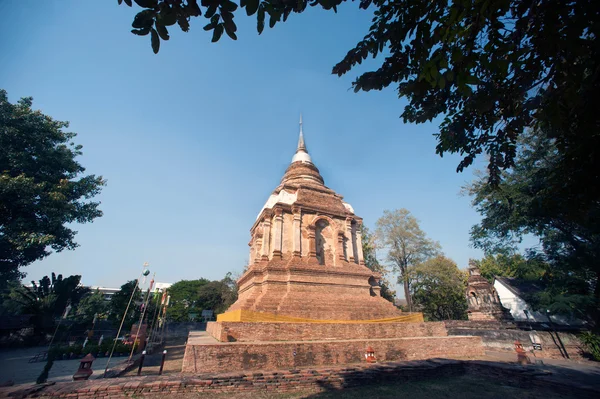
point(406, 290)
point(596, 308)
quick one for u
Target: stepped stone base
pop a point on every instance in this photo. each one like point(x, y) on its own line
point(249, 332)
point(205, 354)
point(303, 288)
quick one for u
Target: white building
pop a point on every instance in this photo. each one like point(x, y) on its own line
point(512, 293)
point(108, 292)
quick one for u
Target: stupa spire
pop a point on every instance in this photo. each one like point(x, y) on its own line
point(301, 145)
point(301, 154)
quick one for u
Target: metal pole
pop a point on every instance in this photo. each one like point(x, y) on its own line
point(137, 334)
point(162, 362)
point(154, 319)
point(141, 362)
point(137, 282)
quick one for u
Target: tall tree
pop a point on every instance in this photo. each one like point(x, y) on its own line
point(481, 65)
point(185, 299)
point(438, 289)
point(534, 198)
point(42, 187)
point(46, 300)
point(398, 232)
point(119, 301)
point(91, 305)
point(370, 257)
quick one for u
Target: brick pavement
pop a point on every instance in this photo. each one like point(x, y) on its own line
point(322, 379)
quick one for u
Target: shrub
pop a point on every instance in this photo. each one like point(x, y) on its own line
point(592, 344)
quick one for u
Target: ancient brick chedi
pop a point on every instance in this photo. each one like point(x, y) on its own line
point(306, 298)
point(483, 300)
point(306, 255)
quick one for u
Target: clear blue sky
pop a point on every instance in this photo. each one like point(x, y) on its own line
point(193, 140)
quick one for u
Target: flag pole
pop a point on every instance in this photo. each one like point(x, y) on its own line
point(137, 283)
point(154, 317)
point(137, 334)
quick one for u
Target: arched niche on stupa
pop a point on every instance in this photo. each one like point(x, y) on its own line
point(324, 242)
point(473, 300)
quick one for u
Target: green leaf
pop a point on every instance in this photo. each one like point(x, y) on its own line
point(251, 7)
point(168, 17)
point(141, 32)
point(450, 75)
point(193, 9)
point(217, 33)
point(155, 41)
point(147, 3)
point(209, 26)
point(273, 20)
point(442, 82)
point(230, 26)
point(211, 11)
point(260, 17)
point(162, 31)
point(229, 6)
point(183, 23)
point(471, 80)
point(286, 14)
point(120, 2)
point(129, 3)
point(143, 19)
point(231, 34)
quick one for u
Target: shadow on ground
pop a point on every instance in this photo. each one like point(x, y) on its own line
point(174, 360)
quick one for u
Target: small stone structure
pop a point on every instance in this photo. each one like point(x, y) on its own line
point(483, 300)
point(307, 298)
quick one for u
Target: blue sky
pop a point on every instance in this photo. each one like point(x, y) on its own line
point(193, 140)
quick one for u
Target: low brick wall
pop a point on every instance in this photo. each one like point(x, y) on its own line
point(553, 344)
point(303, 380)
point(221, 357)
point(483, 325)
point(244, 332)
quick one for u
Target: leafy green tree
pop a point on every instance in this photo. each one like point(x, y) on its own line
point(488, 68)
point(514, 265)
point(42, 187)
point(399, 233)
point(193, 296)
point(185, 299)
point(218, 295)
point(230, 289)
point(91, 305)
point(370, 257)
point(46, 300)
point(119, 301)
point(438, 289)
point(535, 198)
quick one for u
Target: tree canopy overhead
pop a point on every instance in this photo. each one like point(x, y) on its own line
point(42, 187)
point(489, 68)
point(534, 198)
